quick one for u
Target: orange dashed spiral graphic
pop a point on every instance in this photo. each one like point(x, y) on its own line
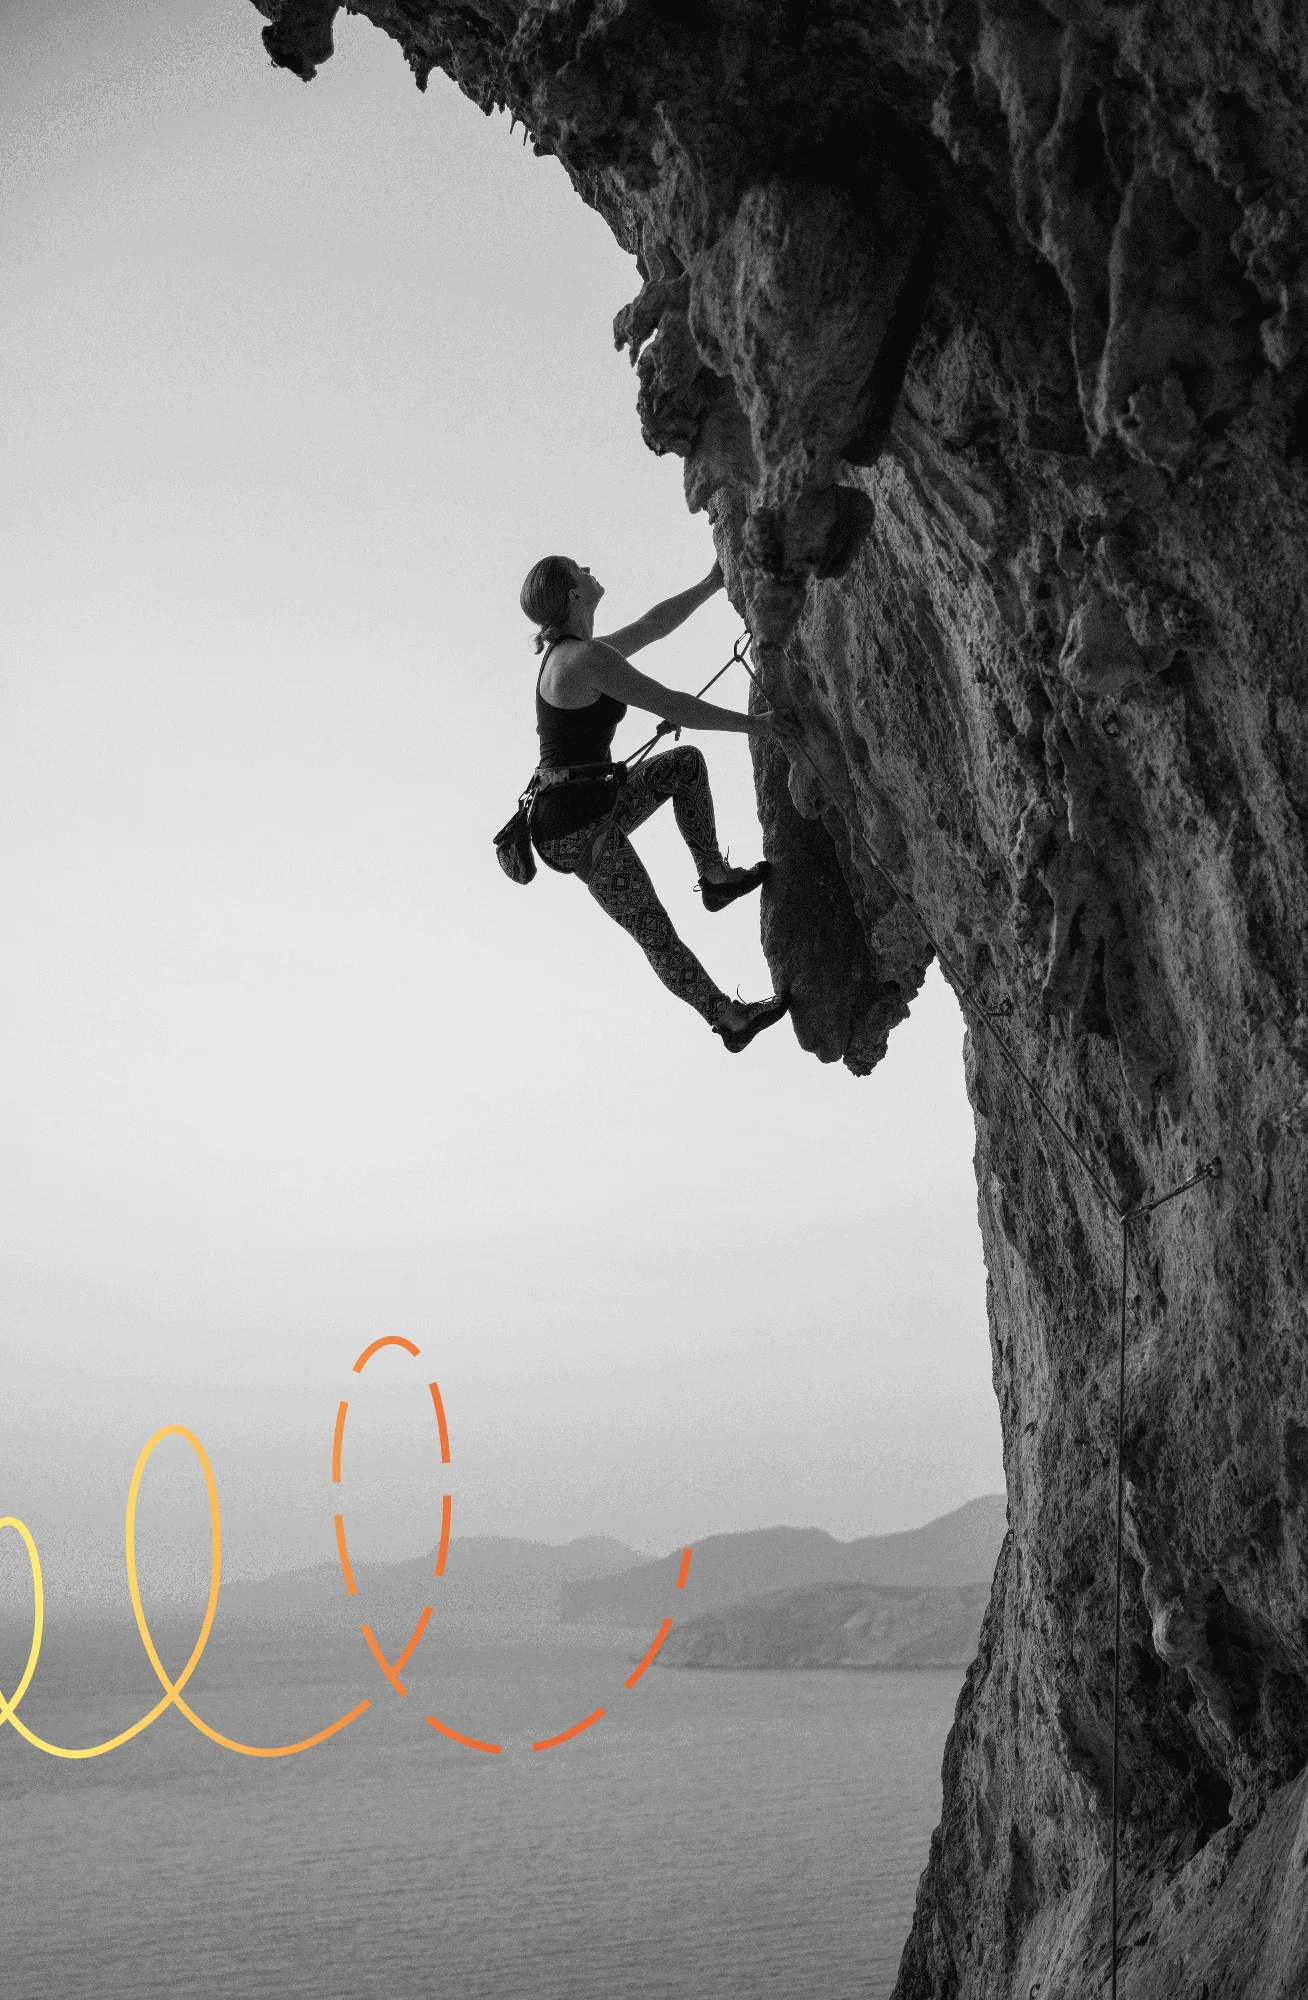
point(393, 1669)
point(172, 1689)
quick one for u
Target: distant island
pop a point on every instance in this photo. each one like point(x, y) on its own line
point(835, 1625)
point(797, 1597)
point(773, 1597)
point(961, 1547)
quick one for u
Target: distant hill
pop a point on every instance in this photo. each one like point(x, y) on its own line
point(835, 1625)
point(489, 1580)
point(957, 1549)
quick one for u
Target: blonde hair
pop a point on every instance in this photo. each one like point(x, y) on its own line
point(546, 595)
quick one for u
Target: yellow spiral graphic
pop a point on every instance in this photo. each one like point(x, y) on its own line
point(172, 1696)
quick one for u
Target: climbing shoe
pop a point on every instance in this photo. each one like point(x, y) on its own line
point(716, 895)
point(759, 1014)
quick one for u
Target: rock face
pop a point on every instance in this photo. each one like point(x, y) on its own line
point(979, 325)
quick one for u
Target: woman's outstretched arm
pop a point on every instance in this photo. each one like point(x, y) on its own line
point(664, 617)
point(599, 666)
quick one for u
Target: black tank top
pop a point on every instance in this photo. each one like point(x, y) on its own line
point(575, 735)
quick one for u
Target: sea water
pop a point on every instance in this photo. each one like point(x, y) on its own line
point(741, 1834)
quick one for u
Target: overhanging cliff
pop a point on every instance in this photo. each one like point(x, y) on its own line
point(980, 328)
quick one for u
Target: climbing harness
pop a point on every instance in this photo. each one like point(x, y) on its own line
point(588, 795)
point(1211, 1171)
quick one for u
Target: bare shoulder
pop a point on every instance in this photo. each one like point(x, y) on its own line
point(568, 680)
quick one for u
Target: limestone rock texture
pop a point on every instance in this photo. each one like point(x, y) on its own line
point(980, 327)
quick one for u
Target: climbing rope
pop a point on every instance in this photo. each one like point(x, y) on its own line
point(1211, 1171)
point(673, 728)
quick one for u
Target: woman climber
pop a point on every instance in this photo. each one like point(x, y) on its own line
point(583, 810)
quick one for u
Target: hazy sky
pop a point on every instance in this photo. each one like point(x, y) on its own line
point(298, 384)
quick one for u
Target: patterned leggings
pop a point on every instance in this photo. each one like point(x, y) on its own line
point(617, 879)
